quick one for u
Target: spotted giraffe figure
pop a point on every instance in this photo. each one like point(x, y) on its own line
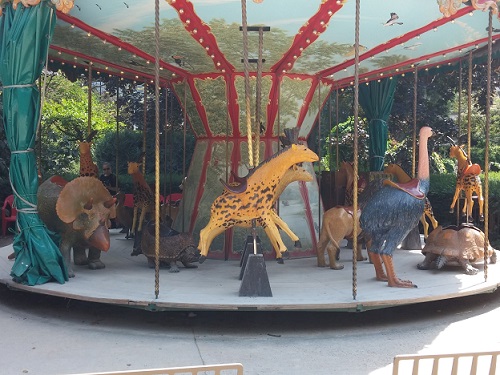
point(144, 201)
point(469, 181)
point(87, 166)
point(255, 200)
point(294, 173)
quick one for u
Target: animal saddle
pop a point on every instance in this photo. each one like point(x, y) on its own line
point(474, 169)
point(411, 187)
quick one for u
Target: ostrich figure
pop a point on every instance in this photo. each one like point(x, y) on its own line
point(392, 212)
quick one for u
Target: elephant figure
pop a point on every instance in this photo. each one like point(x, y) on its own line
point(79, 212)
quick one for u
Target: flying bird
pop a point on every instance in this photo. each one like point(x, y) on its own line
point(99, 6)
point(125, 4)
point(393, 20)
point(413, 46)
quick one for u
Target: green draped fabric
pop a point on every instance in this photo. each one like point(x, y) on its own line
point(25, 35)
point(376, 99)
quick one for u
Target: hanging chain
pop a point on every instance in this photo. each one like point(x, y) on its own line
point(355, 182)
point(157, 148)
point(246, 65)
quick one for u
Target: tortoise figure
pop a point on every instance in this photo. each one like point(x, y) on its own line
point(463, 244)
point(174, 246)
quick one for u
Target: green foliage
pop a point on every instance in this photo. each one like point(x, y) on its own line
point(64, 120)
point(343, 136)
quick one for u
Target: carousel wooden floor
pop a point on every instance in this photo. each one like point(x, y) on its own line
point(298, 284)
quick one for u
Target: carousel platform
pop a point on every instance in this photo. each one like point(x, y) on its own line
point(298, 284)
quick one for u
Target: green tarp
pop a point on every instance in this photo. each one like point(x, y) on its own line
point(376, 99)
point(25, 35)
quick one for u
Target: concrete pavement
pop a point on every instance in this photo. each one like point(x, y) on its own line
point(51, 335)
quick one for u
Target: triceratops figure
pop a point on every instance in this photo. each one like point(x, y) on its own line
point(79, 211)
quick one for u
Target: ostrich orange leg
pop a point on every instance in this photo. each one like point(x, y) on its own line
point(377, 263)
point(393, 280)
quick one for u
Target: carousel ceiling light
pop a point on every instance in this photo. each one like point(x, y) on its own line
point(188, 21)
point(72, 26)
point(59, 52)
point(402, 75)
point(119, 48)
point(74, 66)
point(295, 57)
point(195, 31)
point(104, 41)
point(89, 34)
point(435, 29)
point(181, 11)
point(136, 77)
point(200, 40)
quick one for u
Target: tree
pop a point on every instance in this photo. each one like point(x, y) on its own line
point(64, 115)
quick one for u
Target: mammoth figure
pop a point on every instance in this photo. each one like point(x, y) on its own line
point(79, 211)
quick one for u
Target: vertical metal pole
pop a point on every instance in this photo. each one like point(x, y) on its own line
point(89, 100)
point(319, 151)
point(157, 148)
point(117, 139)
point(469, 105)
point(144, 127)
point(355, 184)
point(487, 147)
point(414, 138)
point(184, 145)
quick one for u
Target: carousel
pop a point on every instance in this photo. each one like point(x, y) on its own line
point(255, 229)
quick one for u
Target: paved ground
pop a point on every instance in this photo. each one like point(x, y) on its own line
point(50, 335)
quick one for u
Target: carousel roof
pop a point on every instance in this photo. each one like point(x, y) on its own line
point(312, 38)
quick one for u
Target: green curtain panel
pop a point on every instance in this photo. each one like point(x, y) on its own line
point(25, 35)
point(376, 99)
